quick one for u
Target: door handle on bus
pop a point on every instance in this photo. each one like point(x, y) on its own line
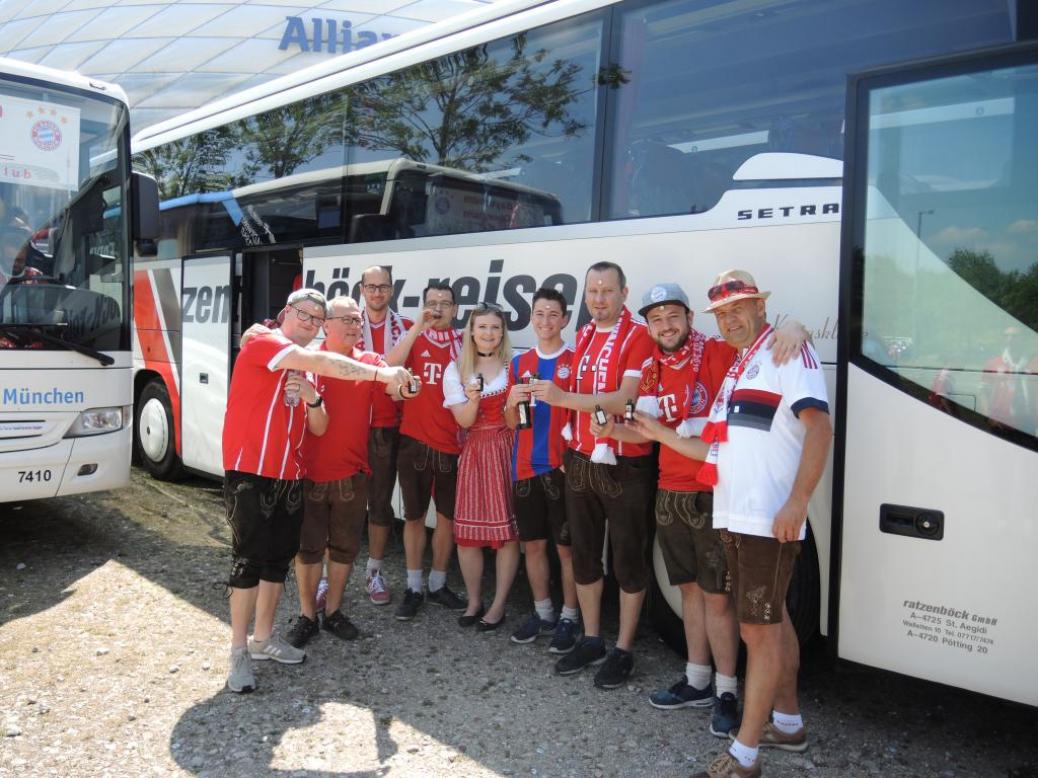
point(924, 523)
point(203, 378)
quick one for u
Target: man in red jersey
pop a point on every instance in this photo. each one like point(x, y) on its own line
point(429, 448)
point(678, 383)
point(264, 429)
point(608, 483)
point(538, 488)
point(382, 328)
point(337, 475)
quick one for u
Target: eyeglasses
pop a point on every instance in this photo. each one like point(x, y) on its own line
point(439, 306)
point(730, 287)
point(356, 321)
point(304, 316)
point(485, 306)
point(378, 288)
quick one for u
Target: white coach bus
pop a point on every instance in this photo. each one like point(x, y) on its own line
point(512, 147)
point(65, 306)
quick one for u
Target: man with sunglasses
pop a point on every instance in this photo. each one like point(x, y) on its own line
point(381, 329)
point(269, 407)
point(427, 461)
point(337, 478)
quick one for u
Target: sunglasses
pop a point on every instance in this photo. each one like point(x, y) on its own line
point(729, 288)
point(485, 306)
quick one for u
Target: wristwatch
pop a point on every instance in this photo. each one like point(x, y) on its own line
point(317, 403)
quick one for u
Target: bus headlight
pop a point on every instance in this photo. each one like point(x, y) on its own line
point(97, 421)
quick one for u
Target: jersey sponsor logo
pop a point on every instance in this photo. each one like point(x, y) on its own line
point(700, 398)
point(668, 406)
point(432, 371)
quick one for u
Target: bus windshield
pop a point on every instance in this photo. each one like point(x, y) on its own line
point(63, 231)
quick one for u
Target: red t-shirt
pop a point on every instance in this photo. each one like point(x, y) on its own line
point(637, 347)
point(261, 434)
point(424, 417)
point(342, 450)
point(385, 411)
point(677, 399)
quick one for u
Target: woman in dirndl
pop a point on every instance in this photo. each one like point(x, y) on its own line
point(475, 388)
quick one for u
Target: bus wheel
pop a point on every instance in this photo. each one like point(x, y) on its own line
point(804, 595)
point(153, 433)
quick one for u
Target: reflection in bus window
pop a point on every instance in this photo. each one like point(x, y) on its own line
point(713, 83)
point(951, 244)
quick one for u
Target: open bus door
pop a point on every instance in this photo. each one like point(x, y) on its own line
point(935, 525)
point(207, 316)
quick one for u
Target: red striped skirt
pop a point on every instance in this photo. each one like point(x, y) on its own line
point(483, 509)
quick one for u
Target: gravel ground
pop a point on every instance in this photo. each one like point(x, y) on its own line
point(113, 655)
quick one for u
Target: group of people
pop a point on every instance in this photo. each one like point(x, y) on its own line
point(715, 443)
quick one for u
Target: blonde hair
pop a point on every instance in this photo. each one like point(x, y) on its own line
point(467, 358)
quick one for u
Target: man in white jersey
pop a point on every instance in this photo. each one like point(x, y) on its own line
point(768, 438)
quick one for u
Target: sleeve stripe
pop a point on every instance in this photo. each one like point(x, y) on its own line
point(809, 402)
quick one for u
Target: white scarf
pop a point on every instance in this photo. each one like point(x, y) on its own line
point(394, 332)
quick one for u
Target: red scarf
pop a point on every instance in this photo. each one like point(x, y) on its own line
point(607, 374)
point(449, 337)
point(716, 430)
point(394, 332)
point(689, 357)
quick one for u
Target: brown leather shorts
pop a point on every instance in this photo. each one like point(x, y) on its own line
point(761, 569)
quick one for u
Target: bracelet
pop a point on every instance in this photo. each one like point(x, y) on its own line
point(316, 403)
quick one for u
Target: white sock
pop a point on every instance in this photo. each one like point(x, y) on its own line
point(414, 580)
point(698, 676)
point(437, 580)
point(373, 566)
point(787, 722)
point(744, 755)
point(573, 614)
point(726, 683)
point(545, 610)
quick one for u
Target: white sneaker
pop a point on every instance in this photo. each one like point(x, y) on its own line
point(378, 592)
point(241, 680)
point(277, 649)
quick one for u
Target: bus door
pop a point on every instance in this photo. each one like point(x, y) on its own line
point(936, 460)
point(207, 299)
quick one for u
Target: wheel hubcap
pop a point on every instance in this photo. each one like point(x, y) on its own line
point(153, 430)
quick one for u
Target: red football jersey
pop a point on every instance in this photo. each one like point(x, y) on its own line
point(636, 347)
point(385, 410)
point(678, 398)
point(261, 434)
point(424, 417)
point(343, 448)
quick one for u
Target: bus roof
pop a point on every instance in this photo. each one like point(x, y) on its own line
point(345, 69)
point(67, 78)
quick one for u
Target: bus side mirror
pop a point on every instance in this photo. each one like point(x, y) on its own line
point(144, 192)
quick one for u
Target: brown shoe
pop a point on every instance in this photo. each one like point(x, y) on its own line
point(727, 766)
point(773, 737)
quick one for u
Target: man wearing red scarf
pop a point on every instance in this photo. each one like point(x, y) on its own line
point(606, 480)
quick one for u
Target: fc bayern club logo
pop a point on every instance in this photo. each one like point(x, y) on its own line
point(699, 400)
point(752, 372)
point(563, 372)
point(46, 135)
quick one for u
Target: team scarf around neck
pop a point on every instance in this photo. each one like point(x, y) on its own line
point(449, 337)
point(716, 430)
point(606, 373)
point(394, 331)
point(689, 357)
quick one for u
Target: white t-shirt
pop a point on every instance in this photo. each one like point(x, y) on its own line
point(454, 392)
point(757, 466)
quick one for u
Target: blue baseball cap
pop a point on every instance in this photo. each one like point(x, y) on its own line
point(663, 294)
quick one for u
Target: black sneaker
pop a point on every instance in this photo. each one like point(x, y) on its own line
point(726, 715)
point(340, 626)
point(588, 651)
point(299, 634)
point(448, 599)
point(565, 638)
point(616, 669)
point(532, 628)
point(683, 695)
point(408, 607)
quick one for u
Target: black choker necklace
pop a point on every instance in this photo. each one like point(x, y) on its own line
point(480, 353)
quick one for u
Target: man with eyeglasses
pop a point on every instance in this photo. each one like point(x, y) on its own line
point(337, 476)
point(270, 405)
point(382, 328)
point(427, 462)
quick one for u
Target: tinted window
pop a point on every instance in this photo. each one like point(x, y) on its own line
point(950, 299)
point(703, 86)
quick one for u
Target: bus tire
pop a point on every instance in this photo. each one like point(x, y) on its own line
point(154, 433)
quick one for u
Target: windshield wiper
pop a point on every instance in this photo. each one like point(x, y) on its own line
point(38, 330)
